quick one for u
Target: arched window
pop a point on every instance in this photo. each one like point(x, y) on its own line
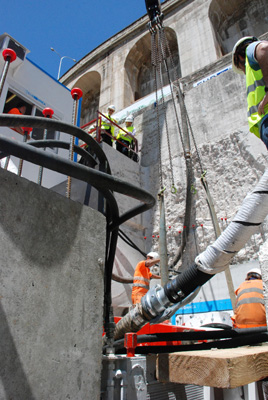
point(90, 85)
point(233, 19)
point(139, 70)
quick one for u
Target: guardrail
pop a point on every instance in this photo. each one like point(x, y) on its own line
point(96, 131)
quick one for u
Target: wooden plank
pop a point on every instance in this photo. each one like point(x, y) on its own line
point(222, 368)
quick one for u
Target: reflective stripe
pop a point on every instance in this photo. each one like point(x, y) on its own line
point(253, 110)
point(141, 278)
point(250, 300)
point(249, 290)
point(255, 94)
point(141, 285)
point(121, 134)
point(251, 88)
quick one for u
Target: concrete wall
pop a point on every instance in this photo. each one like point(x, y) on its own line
point(51, 294)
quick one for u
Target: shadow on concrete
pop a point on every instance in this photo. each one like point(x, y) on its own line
point(14, 379)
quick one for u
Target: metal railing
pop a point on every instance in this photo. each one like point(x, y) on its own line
point(97, 130)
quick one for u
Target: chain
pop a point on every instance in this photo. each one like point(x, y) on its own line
point(163, 58)
point(166, 45)
point(155, 63)
point(181, 95)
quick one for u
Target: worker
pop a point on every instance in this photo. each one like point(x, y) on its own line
point(128, 139)
point(142, 276)
point(107, 126)
point(249, 310)
point(250, 57)
point(6, 162)
point(19, 110)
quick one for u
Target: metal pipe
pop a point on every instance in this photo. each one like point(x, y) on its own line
point(47, 112)
point(21, 160)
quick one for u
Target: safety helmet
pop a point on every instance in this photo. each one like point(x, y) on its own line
point(130, 118)
point(254, 271)
point(111, 107)
point(250, 39)
point(153, 254)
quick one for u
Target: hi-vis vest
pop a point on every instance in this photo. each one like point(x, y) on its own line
point(249, 309)
point(255, 94)
point(107, 125)
point(141, 279)
point(121, 134)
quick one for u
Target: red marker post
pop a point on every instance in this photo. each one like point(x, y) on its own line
point(76, 95)
point(9, 56)
point(47, 113)
point(25, 137)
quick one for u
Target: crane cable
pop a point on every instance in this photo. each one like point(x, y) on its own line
point(162, 45)
point(210, 203)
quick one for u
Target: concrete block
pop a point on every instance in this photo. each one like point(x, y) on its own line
point(51, 294)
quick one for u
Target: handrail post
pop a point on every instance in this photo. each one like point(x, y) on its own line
point(25, 137)
point(76, 95)
point(47, 112)
point(9, 56)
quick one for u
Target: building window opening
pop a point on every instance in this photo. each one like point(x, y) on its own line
point(14, 101)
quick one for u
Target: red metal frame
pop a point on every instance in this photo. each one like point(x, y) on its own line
point(97, 129)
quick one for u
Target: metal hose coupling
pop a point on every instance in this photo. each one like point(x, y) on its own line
point(133, 321)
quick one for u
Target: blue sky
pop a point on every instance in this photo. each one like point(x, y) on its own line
point(72, 27)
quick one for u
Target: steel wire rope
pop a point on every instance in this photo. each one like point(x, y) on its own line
point(204, 183)
point(188, 161)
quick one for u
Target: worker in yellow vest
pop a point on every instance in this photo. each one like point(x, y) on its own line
point(107, 128)
point(127, 139)
point(249, 310)
point(250, 57)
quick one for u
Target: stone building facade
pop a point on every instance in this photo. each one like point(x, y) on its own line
point(201, 35)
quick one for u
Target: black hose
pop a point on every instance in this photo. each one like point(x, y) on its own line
point(219, 344)
point(127, 240)
point(185, 283)
point(100, 180)
point(194, 335)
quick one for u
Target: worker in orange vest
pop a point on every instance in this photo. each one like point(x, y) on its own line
point(142, 276)
point(19, 110)
point(250, 309)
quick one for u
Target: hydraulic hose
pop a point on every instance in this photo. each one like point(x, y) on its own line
point(241, 334)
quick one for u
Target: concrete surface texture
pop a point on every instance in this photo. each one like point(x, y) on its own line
point(51, 294)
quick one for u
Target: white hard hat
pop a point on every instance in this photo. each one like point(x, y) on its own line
point(130, 118)
point(250, 39)
point(153, 254)
point(111, 107)
point(254, 271)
